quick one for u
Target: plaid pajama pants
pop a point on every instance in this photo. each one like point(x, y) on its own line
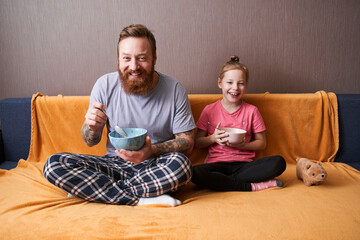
point(115, 181)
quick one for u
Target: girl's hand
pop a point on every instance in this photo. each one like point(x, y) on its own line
point(239, 145)
point(219, 135)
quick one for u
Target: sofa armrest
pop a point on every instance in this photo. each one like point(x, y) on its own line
point(2, 156)
point(349, 129)
point(15, 115)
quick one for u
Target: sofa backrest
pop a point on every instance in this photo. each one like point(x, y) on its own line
point(15, 118)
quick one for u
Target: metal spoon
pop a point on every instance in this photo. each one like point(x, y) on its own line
point(118, 129)
point(212, 125)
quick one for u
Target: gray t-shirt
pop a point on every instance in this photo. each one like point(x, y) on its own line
point(164, 112)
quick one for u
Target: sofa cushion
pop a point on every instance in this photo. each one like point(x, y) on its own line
point(15, 115)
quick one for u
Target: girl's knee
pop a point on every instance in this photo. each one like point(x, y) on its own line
point(196, 173)
point(198, 170)
point(280, 162)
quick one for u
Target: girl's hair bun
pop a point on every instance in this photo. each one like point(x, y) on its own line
point(233, 64)
point(234, 58)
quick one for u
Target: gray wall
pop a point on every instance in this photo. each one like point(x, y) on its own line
point(63, 46)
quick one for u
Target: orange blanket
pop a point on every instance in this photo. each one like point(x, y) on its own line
point(297, 125)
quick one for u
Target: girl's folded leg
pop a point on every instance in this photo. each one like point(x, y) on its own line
point(266, 185)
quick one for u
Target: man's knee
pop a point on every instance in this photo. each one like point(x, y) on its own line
point(185, 160)
point(52, 161)
point(185, 166)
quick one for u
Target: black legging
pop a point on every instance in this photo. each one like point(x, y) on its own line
point(237, 176)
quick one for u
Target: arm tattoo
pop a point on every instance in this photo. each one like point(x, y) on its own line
point(90, 138)
point(183, 143)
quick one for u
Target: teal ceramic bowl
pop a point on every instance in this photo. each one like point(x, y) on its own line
point(134, 141)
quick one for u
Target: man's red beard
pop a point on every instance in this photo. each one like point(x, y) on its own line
point(139, 86)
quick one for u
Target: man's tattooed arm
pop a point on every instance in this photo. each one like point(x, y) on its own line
point(90, 138)
point(183, 143)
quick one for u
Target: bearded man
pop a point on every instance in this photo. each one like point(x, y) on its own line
point(135, 96)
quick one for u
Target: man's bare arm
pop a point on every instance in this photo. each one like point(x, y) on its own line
point(90, 138)
point(183, 143)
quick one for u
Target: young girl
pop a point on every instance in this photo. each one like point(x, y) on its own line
point(230, 167)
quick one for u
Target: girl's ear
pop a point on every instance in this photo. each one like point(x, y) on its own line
point(219, 83)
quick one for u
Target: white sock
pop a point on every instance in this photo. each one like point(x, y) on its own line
point(162, 199)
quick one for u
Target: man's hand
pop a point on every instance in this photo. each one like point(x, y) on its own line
point(94, 117)
point(93, 125)
point(136, 157)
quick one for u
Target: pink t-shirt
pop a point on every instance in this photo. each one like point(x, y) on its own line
point(247, 117)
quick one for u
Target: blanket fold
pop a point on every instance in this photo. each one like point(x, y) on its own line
point(56, 123)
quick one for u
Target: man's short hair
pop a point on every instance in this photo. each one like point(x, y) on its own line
point(138, 31)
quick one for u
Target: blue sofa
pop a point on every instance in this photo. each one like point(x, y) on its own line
point(15, 131)
point(32, 207)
